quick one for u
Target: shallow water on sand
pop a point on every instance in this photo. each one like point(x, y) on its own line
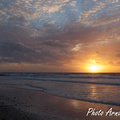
point(98, 88)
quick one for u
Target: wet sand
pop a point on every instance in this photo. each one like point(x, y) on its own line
point(24, 104)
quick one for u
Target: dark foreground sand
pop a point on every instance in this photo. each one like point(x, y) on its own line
point(23, 104)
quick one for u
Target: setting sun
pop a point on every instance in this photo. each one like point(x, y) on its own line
point(94, 68)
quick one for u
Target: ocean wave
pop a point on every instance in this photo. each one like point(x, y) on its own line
point(97, 88)
point(85, 92)
point(70, 97)
point(65, 75)
point(82, 81)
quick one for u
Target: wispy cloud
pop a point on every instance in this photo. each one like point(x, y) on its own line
point(55, 31)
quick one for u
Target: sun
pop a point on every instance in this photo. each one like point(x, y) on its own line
point(94, 68)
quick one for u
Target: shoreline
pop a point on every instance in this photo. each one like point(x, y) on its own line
point(36, 105)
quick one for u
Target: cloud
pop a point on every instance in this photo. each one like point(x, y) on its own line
point(15, 52)
point(18, 44)
point(37, 32)
point(73, 3)
point(118, 55)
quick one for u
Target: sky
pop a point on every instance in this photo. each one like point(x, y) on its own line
point(59, 35)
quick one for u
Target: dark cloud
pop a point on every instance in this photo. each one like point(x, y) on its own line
point(118, 55)
point(76, 33)
point(18, 52)
point(27, 36)
point(17, 46)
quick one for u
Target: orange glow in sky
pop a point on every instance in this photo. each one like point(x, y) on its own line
point(94, 67)
point(60, 36)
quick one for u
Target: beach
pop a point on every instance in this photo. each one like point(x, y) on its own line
point(26, 104)
point(59, 59)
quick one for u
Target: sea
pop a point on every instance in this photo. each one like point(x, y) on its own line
point(92, 87)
